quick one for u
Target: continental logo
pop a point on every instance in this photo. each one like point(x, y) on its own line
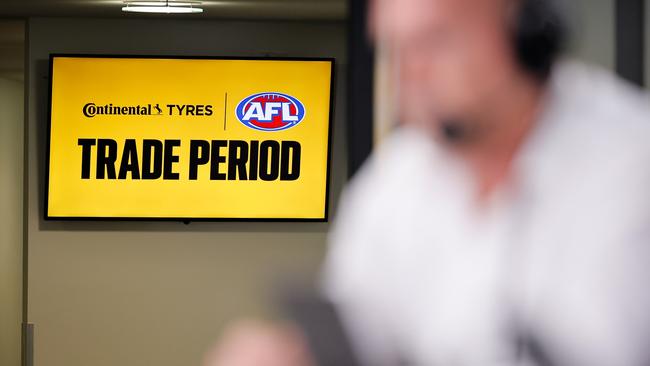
point(91, 110)
point(270, 111)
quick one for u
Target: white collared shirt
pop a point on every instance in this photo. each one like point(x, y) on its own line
point(555, 269)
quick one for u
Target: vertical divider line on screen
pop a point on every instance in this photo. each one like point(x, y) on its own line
point(225, 110)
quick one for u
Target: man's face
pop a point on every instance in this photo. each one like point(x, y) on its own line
point(452, 55)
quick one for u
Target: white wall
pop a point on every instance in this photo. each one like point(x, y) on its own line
point(592, 27)
point(139, 293)
point(11, 219)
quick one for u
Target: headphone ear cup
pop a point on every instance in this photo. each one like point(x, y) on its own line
point(538, 36)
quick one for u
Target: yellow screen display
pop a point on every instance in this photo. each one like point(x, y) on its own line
point(188, 138)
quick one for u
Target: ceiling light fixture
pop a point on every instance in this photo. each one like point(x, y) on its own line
point(166, 6)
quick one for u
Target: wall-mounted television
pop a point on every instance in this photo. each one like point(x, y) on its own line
point(188, 138)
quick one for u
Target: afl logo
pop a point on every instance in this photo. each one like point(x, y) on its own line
point(270, 111)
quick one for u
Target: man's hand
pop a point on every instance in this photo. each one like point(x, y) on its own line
point(255, 343)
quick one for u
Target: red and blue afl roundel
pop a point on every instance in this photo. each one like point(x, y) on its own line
point(270, 111)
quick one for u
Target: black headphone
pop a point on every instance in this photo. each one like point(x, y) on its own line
point(539, 34)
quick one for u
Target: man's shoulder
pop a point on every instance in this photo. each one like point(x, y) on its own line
point(403, 157)
point(407, 166)
point(593, 141)
point(595, 92)
point(593, 112)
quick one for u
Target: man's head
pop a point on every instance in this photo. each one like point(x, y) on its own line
point(456, 56)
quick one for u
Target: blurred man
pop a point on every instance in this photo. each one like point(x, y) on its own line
point(507, 221)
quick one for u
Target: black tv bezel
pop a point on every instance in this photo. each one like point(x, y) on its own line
point(324, 218)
